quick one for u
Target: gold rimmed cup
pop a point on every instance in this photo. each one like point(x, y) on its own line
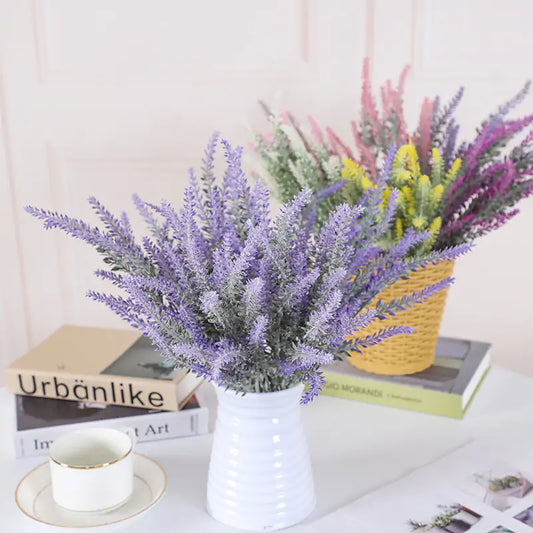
point(92, 469)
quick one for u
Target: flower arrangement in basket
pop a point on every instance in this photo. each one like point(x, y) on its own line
point(452, 518)
point(457, 193)
point(510, 485)
point(256, 306)
point(419, 208)
point(515, 485)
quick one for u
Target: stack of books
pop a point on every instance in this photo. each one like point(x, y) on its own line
point(82, 376)
point(446, 388)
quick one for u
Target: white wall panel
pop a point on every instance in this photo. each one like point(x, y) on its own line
point(112, 181)
point(108, 97)
point(13, 300)
point(29, 172)
point(474, 39)
point(165, 40)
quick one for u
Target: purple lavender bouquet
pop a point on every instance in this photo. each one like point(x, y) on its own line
point(250, 303)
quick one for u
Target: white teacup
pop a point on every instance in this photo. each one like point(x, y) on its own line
point(92, 469)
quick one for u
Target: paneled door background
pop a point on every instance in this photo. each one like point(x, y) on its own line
point(111, 97)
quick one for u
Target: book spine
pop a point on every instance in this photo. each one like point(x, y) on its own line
point(118, 390)
point(148, 427)
point(393, 395)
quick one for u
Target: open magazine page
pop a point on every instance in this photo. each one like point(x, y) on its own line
point(476, 489)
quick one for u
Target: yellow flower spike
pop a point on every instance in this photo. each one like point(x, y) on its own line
point(434, 229)
point(435, 226)
point(350, 169)
point(424, 181)
point(412, 159)
point(401, 201)
point(407, 194)
point(420, 195)
point(456, 166)
point(353, 172)
point(385, 195)
point(405, 166)
point(365, 182)
point(436, 194)
point(404, 175)
point(398, 165)
point(419, 222)
point(401, 154)
point(437, 158)
point(454, 171)
point(398, 229)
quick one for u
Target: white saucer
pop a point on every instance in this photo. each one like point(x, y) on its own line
point(34, 497)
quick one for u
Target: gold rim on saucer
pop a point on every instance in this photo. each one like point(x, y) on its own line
point(33, 517)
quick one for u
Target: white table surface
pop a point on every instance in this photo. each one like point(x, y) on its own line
point(355, 448)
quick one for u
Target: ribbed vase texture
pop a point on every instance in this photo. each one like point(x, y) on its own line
point(260, 476)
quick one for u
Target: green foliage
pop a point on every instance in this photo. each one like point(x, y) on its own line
point(507, 482)
point(292, 165)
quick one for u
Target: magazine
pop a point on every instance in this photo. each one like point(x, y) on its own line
point(476, 489)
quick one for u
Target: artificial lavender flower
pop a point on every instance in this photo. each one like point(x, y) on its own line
point(250, 303)
point(494, 177)
point(495, 174)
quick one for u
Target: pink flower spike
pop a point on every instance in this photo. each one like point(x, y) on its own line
point(367, 100)
point(424, 133)
point(402, 78)
point(337, 143)
point(368, 159)
point(387, 97)
point(285, 117)
point(316, 131)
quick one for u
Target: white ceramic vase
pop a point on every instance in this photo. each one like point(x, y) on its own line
point(260, 476)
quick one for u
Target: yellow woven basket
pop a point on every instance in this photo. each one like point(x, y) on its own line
point(407, 354)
